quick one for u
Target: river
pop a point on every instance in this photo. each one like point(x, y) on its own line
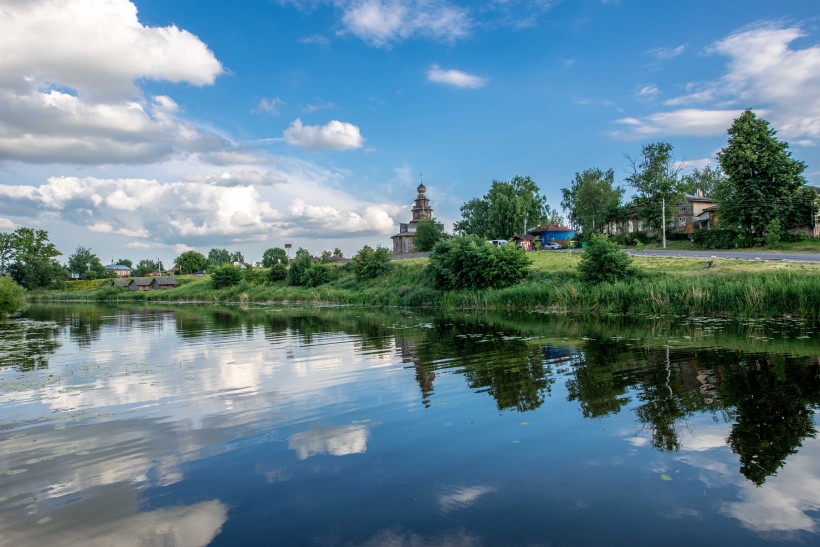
point(189, 426)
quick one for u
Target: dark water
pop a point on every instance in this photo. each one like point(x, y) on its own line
point(196, 426)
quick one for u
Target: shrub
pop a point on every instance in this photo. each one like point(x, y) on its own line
point(677, 236)
point(428, 233)
point(774, 232)
point(12, 296)
point(225, 276)
point(277, 272)
point(472, 263)
point(254, 276)
point(369, 263)
point(604, 261)
point(300, 264)
point(721, 238)
point(639, 236)
point(319, 273)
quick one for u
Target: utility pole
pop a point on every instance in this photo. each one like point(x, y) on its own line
point(663, 220)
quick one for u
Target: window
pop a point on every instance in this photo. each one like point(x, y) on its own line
point(682, 207)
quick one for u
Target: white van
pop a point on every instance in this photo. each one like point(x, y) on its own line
point(499, 242)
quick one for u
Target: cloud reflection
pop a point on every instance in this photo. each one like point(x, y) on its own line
point(460, 497)
point(337, 441)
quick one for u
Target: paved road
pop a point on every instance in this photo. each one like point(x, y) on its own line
point(745, 255)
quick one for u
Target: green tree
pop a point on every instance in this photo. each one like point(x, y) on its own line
point(237, 256)
point(277, 272)
point(604, 262)
point(369, 263)
point(33, 256)
point(326, 256)
point(12, 296)
point(274, 256)
point(6, 251)
point(763, 181)
point(428, 233)
point(144, 267)
point(319, 273)
point(301, 262)
point(592, 200)
point(708, 180)
point(190, 262)
point(225, 276)
point(125, 262)
point(655, 177)
point(507, 208)
point(218, 257)
point(337, 252)
point(85, 264)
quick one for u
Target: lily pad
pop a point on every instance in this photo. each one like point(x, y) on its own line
point(666, 478)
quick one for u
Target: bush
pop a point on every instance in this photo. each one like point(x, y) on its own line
point(277, 272)
point(677, 236)
point(774, 233)
point(225, 276)
point(12, 296)
point(300, 264)
point(604, 262)
point(319, 273)
point(254, 276)
point(639, 236)
point(428, 233)
point(369, 263)
point(721, 238)
point(472, 263)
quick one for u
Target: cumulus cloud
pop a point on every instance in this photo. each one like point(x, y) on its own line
point(455, 78)
point(208, 209)
point(382, 22)
point(6, 224)
point(68, 93)
point(335, 135)
point(648, 91)
point(696, 122)
point(764, 72)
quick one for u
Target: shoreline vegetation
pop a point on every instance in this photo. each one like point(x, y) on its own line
point(661, 286)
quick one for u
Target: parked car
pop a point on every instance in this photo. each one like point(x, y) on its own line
point(553, 246)
point(498, 242)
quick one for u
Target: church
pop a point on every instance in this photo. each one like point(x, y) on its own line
point(403, 241)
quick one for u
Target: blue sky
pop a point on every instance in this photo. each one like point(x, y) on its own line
point(144, 128)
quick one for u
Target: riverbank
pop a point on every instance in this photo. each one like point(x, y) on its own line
point(673, 286)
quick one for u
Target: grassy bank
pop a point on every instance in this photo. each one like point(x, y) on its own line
point(677, 286)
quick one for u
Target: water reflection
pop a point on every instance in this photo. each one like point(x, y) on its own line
point(125, 407)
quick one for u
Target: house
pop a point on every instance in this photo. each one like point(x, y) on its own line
point(140, 284)
point(403, 241)
point(163, 283)
point(523, 240)
point(708, 218)
point(688, 211)
point(120, 270)
point(120, 282)
point(552, 233)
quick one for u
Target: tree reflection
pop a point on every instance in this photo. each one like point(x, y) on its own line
point(773, 397)
point(27, 345)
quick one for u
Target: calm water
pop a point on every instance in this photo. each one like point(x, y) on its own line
point(197, 426)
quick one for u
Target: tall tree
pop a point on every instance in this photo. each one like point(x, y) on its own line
point(659, 188)
point(218, 257)
point(125, 262)
point(273, 256)
point(428, 233)
point(507, 208)
point(145, 267)
point(33, 256)
point(82, 262)
point(190, 262)
point(592, 199)
point(236, 256)
point(763, 182)
point(708, 180)
point(6, 251)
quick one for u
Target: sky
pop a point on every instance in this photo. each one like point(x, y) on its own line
point(144, 128)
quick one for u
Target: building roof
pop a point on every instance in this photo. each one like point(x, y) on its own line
point(550, 228)
point(700, 199)
point(523, 237)
point(120, 282)
point(711, 208)
point(117, 267)
point(164, 280)
point(140, 282)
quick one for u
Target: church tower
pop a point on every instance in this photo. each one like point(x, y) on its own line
point(403, 241)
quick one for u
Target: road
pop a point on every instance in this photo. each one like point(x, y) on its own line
point(744, 255)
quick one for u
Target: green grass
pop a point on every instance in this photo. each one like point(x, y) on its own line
point(663, 286)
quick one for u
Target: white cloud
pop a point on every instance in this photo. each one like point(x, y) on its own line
point(335, 135)
point(648, 91)
point(664, 53)
point(455, 78)
point(764, 72)
point(382, 22)
point(679, 122)
point(68, 91)
point(270, 106)
point(6, 224)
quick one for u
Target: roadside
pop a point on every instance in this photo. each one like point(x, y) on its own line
point(741, 255)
